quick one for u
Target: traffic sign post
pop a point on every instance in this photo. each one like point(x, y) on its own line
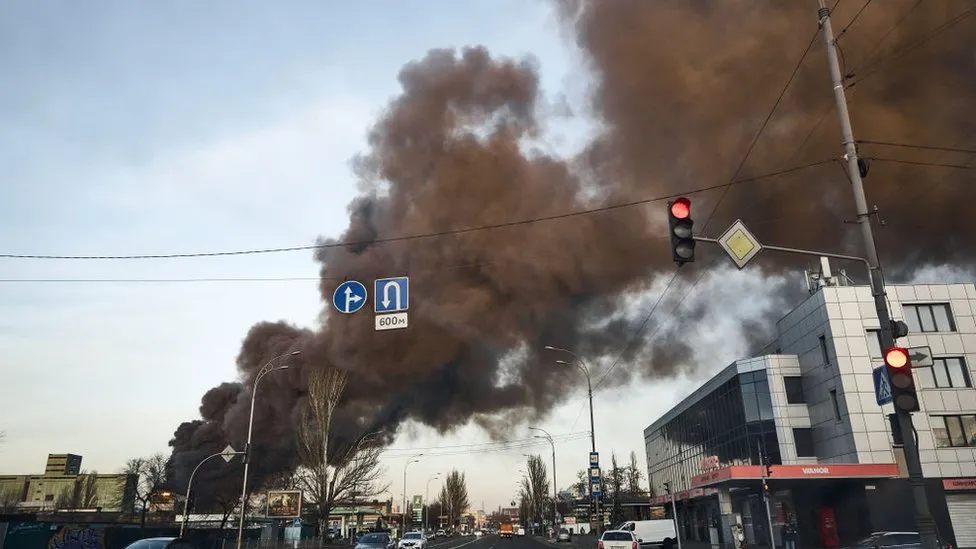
point(921, 357)
point(391, 299)
point(882, 386)
point(349, 297)
point(391, 295)
point(740, 244)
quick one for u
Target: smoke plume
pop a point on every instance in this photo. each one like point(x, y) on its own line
point(681, 87)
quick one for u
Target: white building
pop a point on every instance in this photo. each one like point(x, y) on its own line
point(808, 403)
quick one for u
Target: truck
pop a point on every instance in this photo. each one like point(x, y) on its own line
point(650, 532)
point(505, 530)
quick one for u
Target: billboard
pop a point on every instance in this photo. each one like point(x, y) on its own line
point(284, 503)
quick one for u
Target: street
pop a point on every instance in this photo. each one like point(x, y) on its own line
point(495, 542)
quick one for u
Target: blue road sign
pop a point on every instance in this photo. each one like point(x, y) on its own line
point(595, 488)
point(391, 295)
point(882, 386)
point(349, 297)
point(594, 459)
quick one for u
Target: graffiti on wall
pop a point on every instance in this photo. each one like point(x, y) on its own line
point(77, 536)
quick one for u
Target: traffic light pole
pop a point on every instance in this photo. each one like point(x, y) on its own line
point(923, 518)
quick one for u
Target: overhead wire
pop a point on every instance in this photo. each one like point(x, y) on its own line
point(919, 163)
point(880, 64)
point(643, 325)
point(877, 45)
point(917, 147)
point(418, 236)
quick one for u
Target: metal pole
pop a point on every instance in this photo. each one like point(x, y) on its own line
point(674, 515)
point(596, 499)
point(923, 518)
point(765, 490)
point(555, 494)
point(589, 391)
point(405, 465)
point(266, 369)
point(247, 461)
point(189, 487)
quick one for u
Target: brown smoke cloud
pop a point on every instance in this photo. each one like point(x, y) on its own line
point(681, 87)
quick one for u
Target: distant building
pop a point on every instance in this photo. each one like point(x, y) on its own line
point(63, 486)
point(63, 464)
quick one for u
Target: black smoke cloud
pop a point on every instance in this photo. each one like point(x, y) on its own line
point(680, 87)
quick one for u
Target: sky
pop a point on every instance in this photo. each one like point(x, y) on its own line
point(172, 127)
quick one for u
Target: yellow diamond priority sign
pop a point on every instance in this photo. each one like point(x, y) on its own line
point(740, 244)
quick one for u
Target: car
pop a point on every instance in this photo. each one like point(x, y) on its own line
point(564, 536)
point(374, 540)
point(161, 543)
point(440, 534)
point(413, 540)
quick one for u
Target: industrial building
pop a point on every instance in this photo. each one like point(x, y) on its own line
point(64, 486)
point(807, 407)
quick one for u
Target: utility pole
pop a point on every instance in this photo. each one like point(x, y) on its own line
point(764, 473)
point(923, 518)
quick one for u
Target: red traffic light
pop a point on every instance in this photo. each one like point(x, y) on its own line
point(896, 357)
point(681, 208)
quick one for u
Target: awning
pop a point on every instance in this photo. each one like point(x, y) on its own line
point(782, 472)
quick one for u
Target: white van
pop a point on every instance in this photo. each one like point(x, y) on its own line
point(650, 532)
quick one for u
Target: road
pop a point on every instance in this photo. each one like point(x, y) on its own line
point(493, 542)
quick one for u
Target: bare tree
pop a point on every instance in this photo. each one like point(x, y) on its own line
point(454, 496)
point(536, 484)
point(66, 498)
point(10, 499)
point(151, 478)
point(87, 490)
point(633, 477)
point(615, 487)
point(330, 472)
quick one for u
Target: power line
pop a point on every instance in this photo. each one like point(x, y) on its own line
point(915, 163)
point(711, 214)
point(232, 279)
point(853, 19)
point(887, 34)
point(919, 147)
point(522, 222)
point(878, 65)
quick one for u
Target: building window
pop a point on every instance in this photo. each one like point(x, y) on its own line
point(823, 350)
point(951, 373)
point(835, 403)
point(932, 317)
point(954, 431)
point(803, 439)
point(794, 389)
point(874, 343)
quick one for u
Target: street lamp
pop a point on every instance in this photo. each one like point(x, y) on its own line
point(413, 459)
point(227, 454)
point(265, 370)
point(426, 520)
point(555, 506)
point(578, 362)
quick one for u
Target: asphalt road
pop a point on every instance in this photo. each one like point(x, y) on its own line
point(490, 542)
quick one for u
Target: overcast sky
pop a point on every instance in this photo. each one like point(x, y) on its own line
point(162, 127)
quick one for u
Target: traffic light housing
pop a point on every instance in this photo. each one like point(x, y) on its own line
point(899, 368)
point(680, 227)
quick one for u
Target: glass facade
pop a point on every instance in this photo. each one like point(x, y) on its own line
point(733, 422)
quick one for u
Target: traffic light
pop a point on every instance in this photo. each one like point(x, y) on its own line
point(899, 368)
point(680, 226)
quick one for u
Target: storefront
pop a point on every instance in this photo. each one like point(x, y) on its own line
point(960, 496)
point(829, 503)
